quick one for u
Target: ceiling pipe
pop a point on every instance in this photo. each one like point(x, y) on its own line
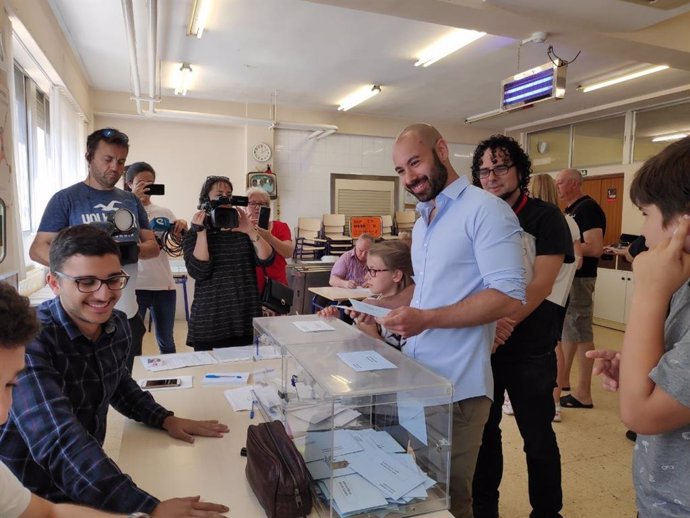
point(226, 120)
point(153, 52)
point(132, 47)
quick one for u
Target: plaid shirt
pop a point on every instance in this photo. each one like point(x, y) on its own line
point(54, 436)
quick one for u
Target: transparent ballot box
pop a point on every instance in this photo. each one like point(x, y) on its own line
point(373, 426)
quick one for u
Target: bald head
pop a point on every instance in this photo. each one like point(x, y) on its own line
point(425, 133)
point(569, 185)
point(571, 174)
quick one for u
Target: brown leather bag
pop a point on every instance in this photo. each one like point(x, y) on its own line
point(276, 472)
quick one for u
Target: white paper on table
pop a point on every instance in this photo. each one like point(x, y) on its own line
point(223, 378)
point(353, 493)
point(313, 326)
point(240, 398)
point(369, 309)
point(393, 478)
point(185, 383)
point(164, 362)
point(268, 397)
point(361, 361)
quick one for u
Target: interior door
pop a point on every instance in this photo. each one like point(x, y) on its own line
point(607, 191)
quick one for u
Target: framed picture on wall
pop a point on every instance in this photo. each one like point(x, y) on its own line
point(265, 181)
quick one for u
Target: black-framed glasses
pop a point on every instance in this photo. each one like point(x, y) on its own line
point(218, 178)
point(89, 284)
point(255, 204)
point(373, 271)
point(110, 132)
point(498, 170)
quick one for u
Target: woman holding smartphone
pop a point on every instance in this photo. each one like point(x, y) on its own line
point(155, 284)
point(275, 233)
point(223, 263)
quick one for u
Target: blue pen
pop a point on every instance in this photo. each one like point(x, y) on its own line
point(257, 346)
point(251, 412)
point(234, 376)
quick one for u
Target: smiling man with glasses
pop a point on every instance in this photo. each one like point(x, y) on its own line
point(75, 369)
point(95, 200)
point(524, 361)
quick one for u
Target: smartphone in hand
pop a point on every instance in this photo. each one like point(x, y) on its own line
point(264, 217)
point(155, 189)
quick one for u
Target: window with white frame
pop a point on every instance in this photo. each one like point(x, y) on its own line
point(36, 180)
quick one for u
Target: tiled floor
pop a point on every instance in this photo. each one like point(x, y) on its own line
point(595, 455)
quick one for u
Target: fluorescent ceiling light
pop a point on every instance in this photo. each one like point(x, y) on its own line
point(197, 21)
point(620, 79)
point(182, 79)
point(447, 45)
point(665, 138)
point(358, 96)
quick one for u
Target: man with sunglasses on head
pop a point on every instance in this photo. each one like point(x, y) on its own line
point(97, 200)
point(53, 440)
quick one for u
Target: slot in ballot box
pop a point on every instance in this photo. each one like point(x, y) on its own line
point(373, 426)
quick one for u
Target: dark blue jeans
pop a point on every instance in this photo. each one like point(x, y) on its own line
point(162, 305)
point(529, 382)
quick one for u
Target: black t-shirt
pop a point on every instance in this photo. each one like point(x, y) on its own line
point(545, 232)
point(588, 215)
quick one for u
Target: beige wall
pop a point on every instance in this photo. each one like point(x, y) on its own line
point(183, 155)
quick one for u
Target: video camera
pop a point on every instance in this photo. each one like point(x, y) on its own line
point(221, 213)
point(120, 226)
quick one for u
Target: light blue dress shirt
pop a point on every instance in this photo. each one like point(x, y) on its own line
point(472, 244)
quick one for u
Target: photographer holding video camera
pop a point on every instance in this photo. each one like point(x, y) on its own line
point(221, 252)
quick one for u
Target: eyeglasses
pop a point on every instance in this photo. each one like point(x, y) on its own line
point(93, 284)
point(373, 271)
point(109, 132)
point(498, 170)
point(254, 204)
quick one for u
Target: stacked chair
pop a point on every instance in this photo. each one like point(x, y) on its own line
point(308, 241)
point(337, 243)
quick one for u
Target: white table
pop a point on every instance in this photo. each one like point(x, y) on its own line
point(212, 468)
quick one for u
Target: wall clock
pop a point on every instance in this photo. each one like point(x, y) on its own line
point(261, 152)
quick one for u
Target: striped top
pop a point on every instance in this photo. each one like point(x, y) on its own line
point(226, 298)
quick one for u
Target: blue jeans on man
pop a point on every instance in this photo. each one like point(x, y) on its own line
point(162, 304)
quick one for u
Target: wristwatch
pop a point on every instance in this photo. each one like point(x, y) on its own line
point(139, 515)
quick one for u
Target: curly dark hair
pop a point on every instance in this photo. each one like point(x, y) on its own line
point(512, 149)
point(18, 325)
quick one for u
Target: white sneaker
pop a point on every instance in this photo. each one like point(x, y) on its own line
point(557, 416)
point(507, 407)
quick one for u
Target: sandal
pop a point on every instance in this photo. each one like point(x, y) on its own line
point(570, 402)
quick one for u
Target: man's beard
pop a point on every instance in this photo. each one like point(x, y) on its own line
point(506, 195)
point(436, 180)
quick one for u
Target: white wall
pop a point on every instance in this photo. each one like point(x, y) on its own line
point(304, 167)
point(183, 155)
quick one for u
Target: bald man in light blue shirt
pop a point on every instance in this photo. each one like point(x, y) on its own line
point(467, 259)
